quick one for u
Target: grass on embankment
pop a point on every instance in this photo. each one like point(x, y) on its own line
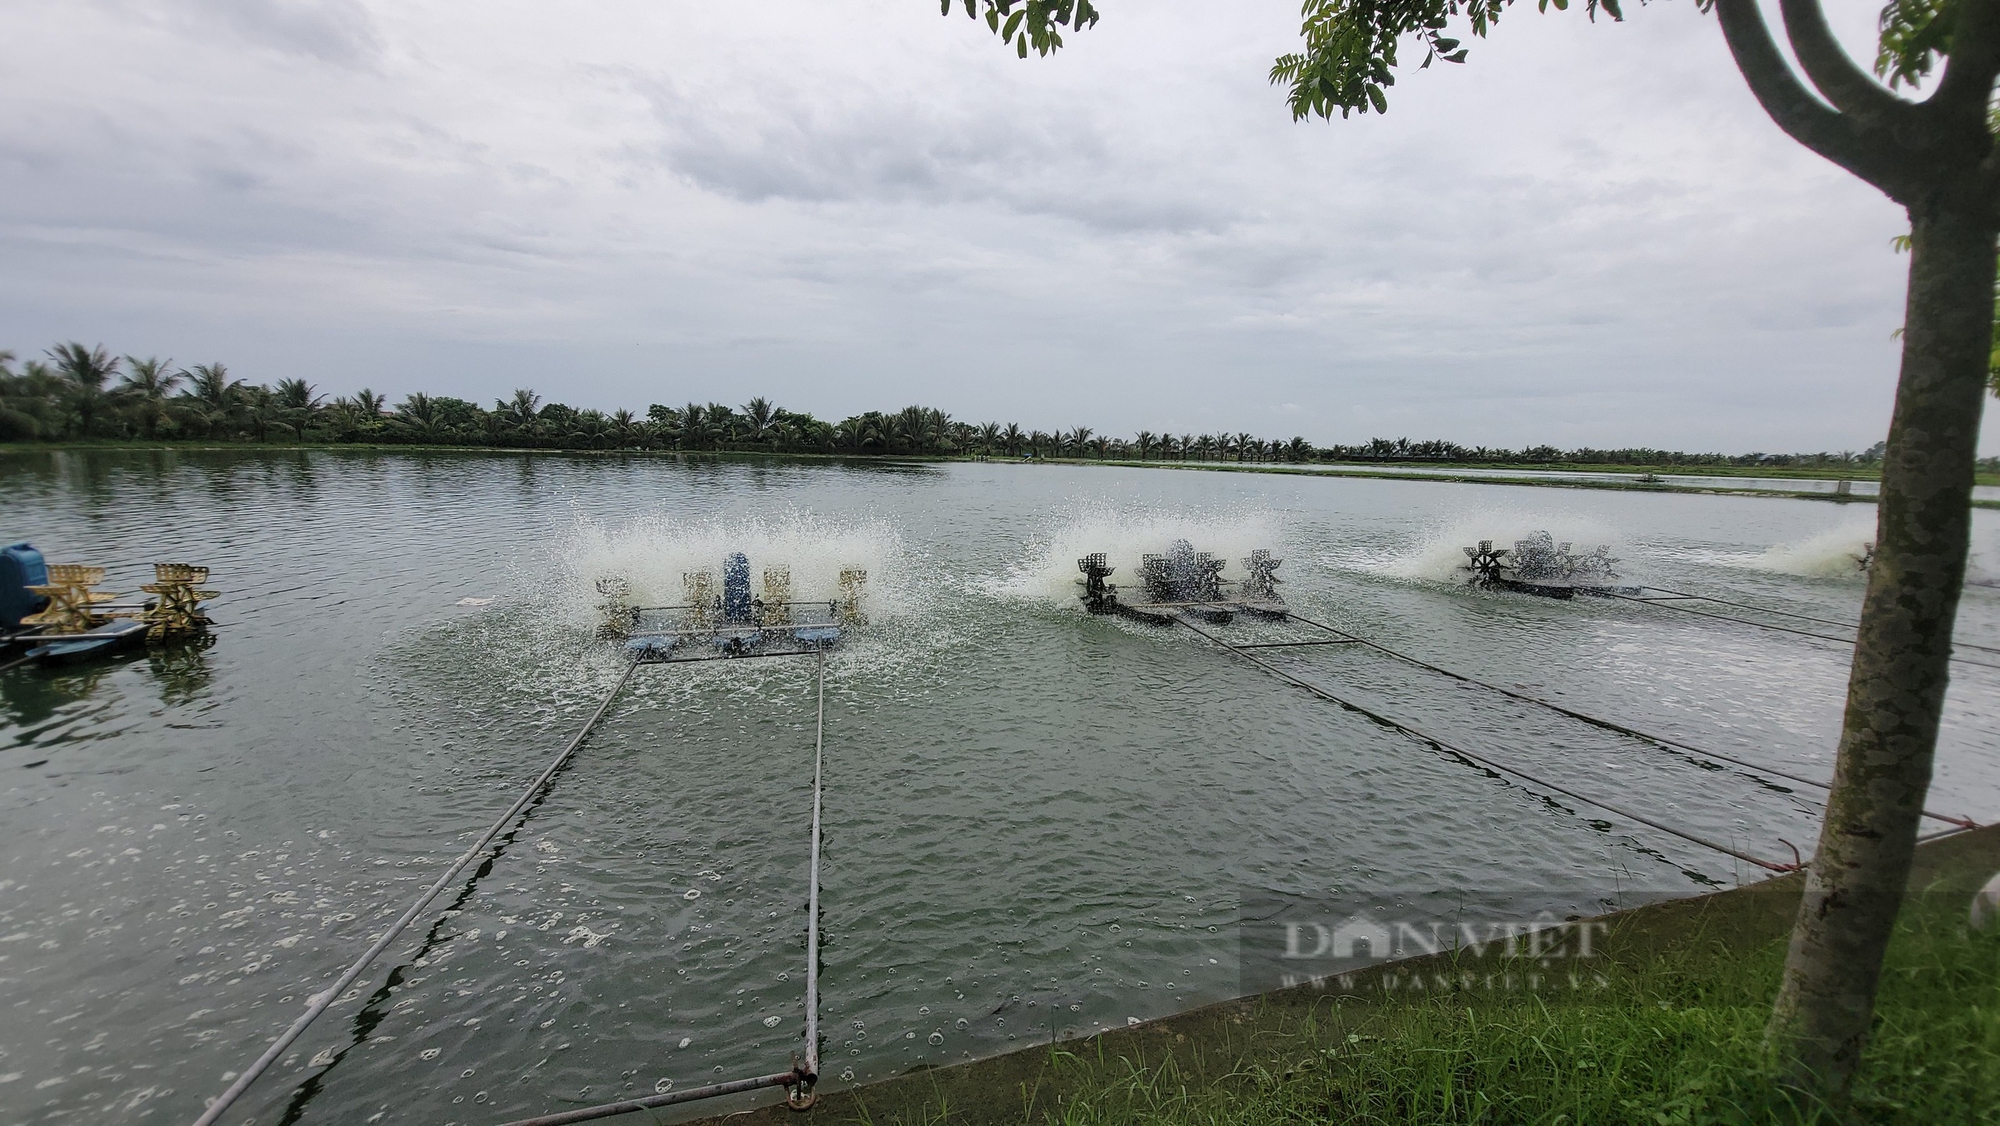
point(1673, 1036)
point(1673, 1040)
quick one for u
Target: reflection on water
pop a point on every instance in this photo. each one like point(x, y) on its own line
point(1038, 823)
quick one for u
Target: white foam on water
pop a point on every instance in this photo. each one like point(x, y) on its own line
point(653, 553)
point(1048, 573)
point(1830, 555)
point(1440, 557)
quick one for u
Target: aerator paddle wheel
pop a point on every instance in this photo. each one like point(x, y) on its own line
point(72, 602)
point(1182, 583)
point(732, 621)
point(175, 612)
point(1539, 565)
point(55, 612)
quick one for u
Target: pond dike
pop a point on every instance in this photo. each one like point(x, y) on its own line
point(1207, 1043)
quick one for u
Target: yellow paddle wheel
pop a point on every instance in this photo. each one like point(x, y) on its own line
point(72, 602)
point(175, 612)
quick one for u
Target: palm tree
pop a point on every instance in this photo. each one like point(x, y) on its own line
point(212, 396)
point(259, 409)
point(1147, 441)
point(84, 372)
point(624, 428)
point(963, 435)
point(146, 387)
point(1187, 446)
point(694, 427)
point(366, 403)
point(757, 415)
point(296, 404)
point(419, 418)
point(1298, 449)
point(723, 424)
point(1011, 439)
point(26, 400)
point(989, 437)
point(1240, 442)
point(592, 429)
point(522, 414)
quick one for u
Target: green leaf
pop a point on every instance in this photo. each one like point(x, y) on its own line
point(1013, 24)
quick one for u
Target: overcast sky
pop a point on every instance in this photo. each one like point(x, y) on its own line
point(1587, 235)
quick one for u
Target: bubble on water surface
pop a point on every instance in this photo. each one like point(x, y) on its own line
point(1125, 536)
point(652, 553)
point(1830, 555)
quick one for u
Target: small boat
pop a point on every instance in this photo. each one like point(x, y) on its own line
point(54, 613)
point(101, 641)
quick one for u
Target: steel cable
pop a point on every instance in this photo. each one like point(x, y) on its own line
point(1608, 725)
point(1765, 625)
point(1481, 760)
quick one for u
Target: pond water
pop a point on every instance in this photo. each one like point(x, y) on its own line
point(1038, 823)
point(1856, 487)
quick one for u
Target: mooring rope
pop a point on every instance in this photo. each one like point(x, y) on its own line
point(804, 1073)
point(1608, 725)
point(1481, 760)
point(1847, 641)
point(1791, 614)
point(323, 1000)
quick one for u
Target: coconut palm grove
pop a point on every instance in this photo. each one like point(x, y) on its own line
point(75, 392)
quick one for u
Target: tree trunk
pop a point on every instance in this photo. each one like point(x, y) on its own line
point(1896, 689)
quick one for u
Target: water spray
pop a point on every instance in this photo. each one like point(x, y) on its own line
point(1541, 566)
point(1184, 582)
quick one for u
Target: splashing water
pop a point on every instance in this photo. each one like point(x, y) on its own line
point(1440, 558)
point(653, 553)
point(1830, 555)
point(1049, 575)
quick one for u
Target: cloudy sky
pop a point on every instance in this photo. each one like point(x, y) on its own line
point(1588, 234)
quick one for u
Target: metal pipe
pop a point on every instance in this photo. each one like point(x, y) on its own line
point(812, 896)
point(320, 1002)
point(1482, 760)
point(606, 1110)
point(1295, 644)
point(1608, 725)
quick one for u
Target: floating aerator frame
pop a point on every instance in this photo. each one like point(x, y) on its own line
point(734, 621)
point(1184, 582)
point(55, 612)
point(1540, 565)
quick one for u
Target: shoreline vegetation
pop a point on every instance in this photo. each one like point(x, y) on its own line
point(78, 394)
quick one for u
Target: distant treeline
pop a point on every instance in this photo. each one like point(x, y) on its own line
point(80, 393)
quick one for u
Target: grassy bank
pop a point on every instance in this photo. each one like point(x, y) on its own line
point(1671, 1035)
point(1676, 1039)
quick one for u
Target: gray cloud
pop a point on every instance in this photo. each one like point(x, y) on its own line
point(1588, 234)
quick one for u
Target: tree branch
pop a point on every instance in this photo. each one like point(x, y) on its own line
point(1846, 85)
point(1974, 62)
point(1805, 118)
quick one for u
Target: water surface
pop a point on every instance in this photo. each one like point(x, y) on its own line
point(1038, 823)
